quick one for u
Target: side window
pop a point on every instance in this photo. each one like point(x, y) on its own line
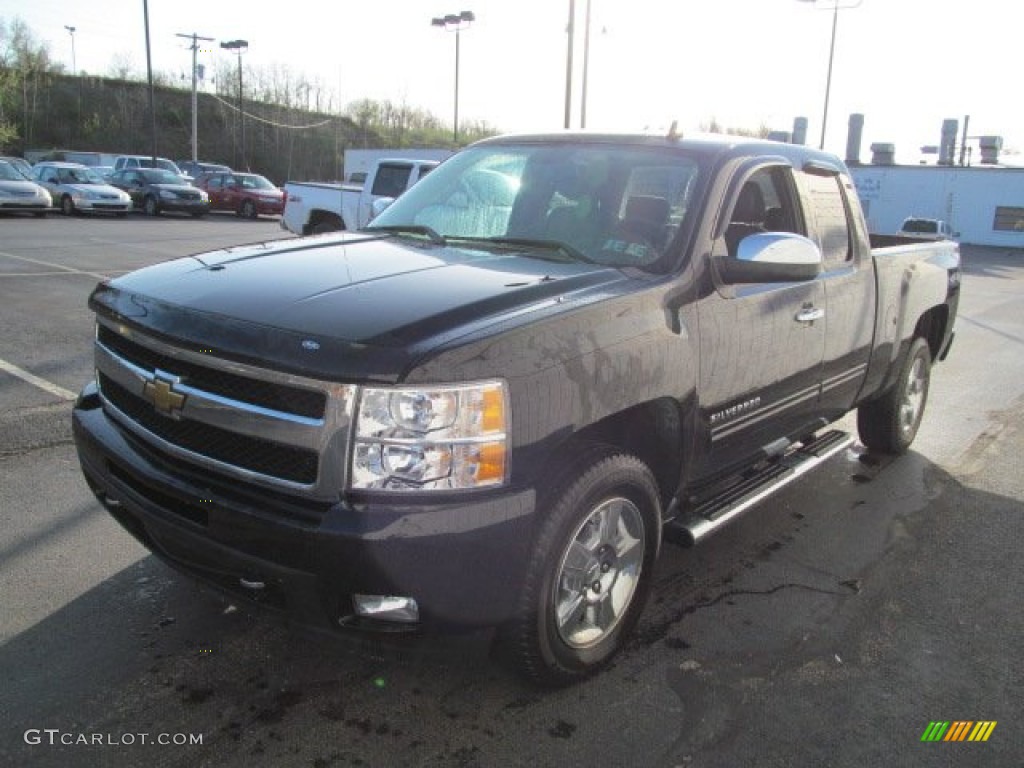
point(391, 180)
point(766, 203)
point(831, 223)
point(214, 182)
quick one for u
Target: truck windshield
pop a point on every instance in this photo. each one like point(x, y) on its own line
point(614, 205)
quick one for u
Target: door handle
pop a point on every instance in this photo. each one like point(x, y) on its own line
point(810, 314)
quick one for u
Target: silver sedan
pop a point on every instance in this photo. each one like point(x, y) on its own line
point(19, 194)
point(79, 189)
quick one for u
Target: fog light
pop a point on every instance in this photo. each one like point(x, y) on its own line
point(387, 608)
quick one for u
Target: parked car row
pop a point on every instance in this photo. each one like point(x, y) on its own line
point(134, 183)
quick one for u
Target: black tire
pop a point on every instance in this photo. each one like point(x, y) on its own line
point(67, 205)
point(121, 214)
point(198, 214)
point(889, 424)
point(150, 206)
point(248, 209)
point(607, 518)
point(39, 214)
point(329, 223)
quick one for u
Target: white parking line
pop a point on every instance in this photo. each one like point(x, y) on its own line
point(51, 265)
point(31, 378)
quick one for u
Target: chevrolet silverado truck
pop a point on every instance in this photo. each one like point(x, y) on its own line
point(490, 407)
point(313, 208)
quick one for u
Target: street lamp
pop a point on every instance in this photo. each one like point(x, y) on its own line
point(456, 22)
point(74, 65)
point(836, 6)
point(239, 47)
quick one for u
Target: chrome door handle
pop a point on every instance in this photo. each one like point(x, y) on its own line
point(809, 315)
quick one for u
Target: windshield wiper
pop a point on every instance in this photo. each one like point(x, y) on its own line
point(534, 244)
point(410, 229)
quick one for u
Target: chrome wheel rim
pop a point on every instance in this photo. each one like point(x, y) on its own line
point(599, 572)
point(912, 403)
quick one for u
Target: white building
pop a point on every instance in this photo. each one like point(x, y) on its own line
point(985, 204)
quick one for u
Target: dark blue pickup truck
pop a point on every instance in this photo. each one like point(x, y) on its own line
point(491, 406)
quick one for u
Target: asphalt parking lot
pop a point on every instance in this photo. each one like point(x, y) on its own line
point(828, 627)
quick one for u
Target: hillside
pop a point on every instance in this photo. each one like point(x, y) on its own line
point(109, 115)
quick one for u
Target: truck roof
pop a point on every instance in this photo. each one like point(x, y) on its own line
point(715, 144)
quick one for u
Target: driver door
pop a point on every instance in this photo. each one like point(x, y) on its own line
point(761, 344)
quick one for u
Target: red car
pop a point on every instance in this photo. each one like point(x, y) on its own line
point(247, 194)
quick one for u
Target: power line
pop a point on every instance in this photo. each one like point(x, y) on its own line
point(259, 119)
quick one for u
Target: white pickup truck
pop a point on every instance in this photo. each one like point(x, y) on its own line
point(315, 207)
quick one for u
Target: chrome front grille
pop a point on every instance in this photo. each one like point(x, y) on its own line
point(274, 429)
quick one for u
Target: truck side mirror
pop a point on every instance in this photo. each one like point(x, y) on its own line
point(772, 257)
point(377, 206)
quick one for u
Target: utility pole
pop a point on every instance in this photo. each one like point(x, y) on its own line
point(74, 64)
point(149, 77)
point(195, 85)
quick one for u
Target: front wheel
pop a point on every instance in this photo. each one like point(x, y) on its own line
point(67, 206)
point(590, 571)
point(150, 207)
point(890, 423)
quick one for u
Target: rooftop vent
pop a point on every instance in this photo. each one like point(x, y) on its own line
point(883, 154)
point(990, 147)
point(947, 147)
point(800, 130)
point(854, 138)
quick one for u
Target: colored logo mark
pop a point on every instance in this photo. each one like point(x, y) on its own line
point(958, 730)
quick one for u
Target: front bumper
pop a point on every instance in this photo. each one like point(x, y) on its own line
point(22, 205)
point(269, 207)
point(184, 206)
point(103, 206)
point(462, 560)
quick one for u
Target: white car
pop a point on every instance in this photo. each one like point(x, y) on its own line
point(19, 194)
point(79, 189)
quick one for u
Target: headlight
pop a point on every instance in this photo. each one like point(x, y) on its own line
point(433, 438)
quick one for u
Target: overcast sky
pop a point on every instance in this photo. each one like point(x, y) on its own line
point(905, 64)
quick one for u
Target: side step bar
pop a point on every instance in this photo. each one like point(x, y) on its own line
point(741, 494)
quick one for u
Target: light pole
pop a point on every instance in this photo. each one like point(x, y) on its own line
point(836, 6)
point(586, 68)
point(571, 34)
point(74, 64)
point(456, 22)
point(239, 47)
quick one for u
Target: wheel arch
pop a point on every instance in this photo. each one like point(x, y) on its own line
point(324, 221)
point(651, 431)
point(932, 326)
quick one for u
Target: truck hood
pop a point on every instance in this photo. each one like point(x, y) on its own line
point(351, 305)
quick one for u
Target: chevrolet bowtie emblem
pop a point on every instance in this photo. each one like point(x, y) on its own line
point(163, 397)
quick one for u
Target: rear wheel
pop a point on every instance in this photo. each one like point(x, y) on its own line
point(150, 207)
point(249, 209)
point(590, 571)
point(890, 423)
point(67, 205)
